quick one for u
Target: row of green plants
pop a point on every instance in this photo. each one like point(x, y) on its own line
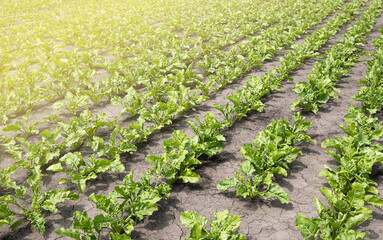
point(134, 102)
point(345, 212)
point(158, 90)
point(351, 188)
point(321, 85)
point(267, 156)
point(371, 94)
point(82, 130)
point(59, 68)
point(242, 99)
point(186, 174)
point(138, 199)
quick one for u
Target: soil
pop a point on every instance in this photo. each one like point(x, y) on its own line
point(261, 219)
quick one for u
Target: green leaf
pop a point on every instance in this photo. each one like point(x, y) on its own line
point(102, 202)
point(300, 87)
point(190, 176)
point(53, 197)
point(352, 235)
point(195, 232)
point(330, 196)
point(117, 166)
point(280, 171)
point(69, 233)
point(321, 209)
point(102, 220)
point(190, 218)
point(73, 159)
point(37, 221)
point(6, 215)
point(11, 128)
point(83, 222)
point(247, 168)
point(341, 206)
point(8, 199)
point(323, 97)
point(140, 210)
point(363, 215)
point(227, 183)
point(117, 236)
point(308, 227)
point(124, 146)
point(278, 192)
point(228, 224)
point(55, 167)
point(64, 180)
point(373, 201)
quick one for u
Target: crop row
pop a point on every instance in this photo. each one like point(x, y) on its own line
point(321, 85)
point(352, 189)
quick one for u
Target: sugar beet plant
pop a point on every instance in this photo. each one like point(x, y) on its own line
point(371, 94)
point(267, 156)
point(19, 206)
point(222, 227)
point(121, 209)
point(352, 189)
point(130, 202)
point(182, 153)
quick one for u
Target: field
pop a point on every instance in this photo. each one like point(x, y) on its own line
point(128, 119)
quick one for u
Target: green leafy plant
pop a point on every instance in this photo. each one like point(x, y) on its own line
point(321, 85)
point(75, 103)
point(243, 101)
point(24, 129)
point(371, 94)
point(273, 151)
point(94, 93)
point(30, 154)
point(222, 227)
point(41, 201)
point(357, 153)
point(106, 157)
point(182, 153)
point(80, 129)
point(346, 212)
point(122, 208)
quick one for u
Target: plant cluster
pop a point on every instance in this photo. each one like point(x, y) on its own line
point(222, 227)
point(372, 93)
point(248, 98)
point(268, 155)
point(321, 85)
point(351, 190)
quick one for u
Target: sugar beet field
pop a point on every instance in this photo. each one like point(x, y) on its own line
point(176, 119)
